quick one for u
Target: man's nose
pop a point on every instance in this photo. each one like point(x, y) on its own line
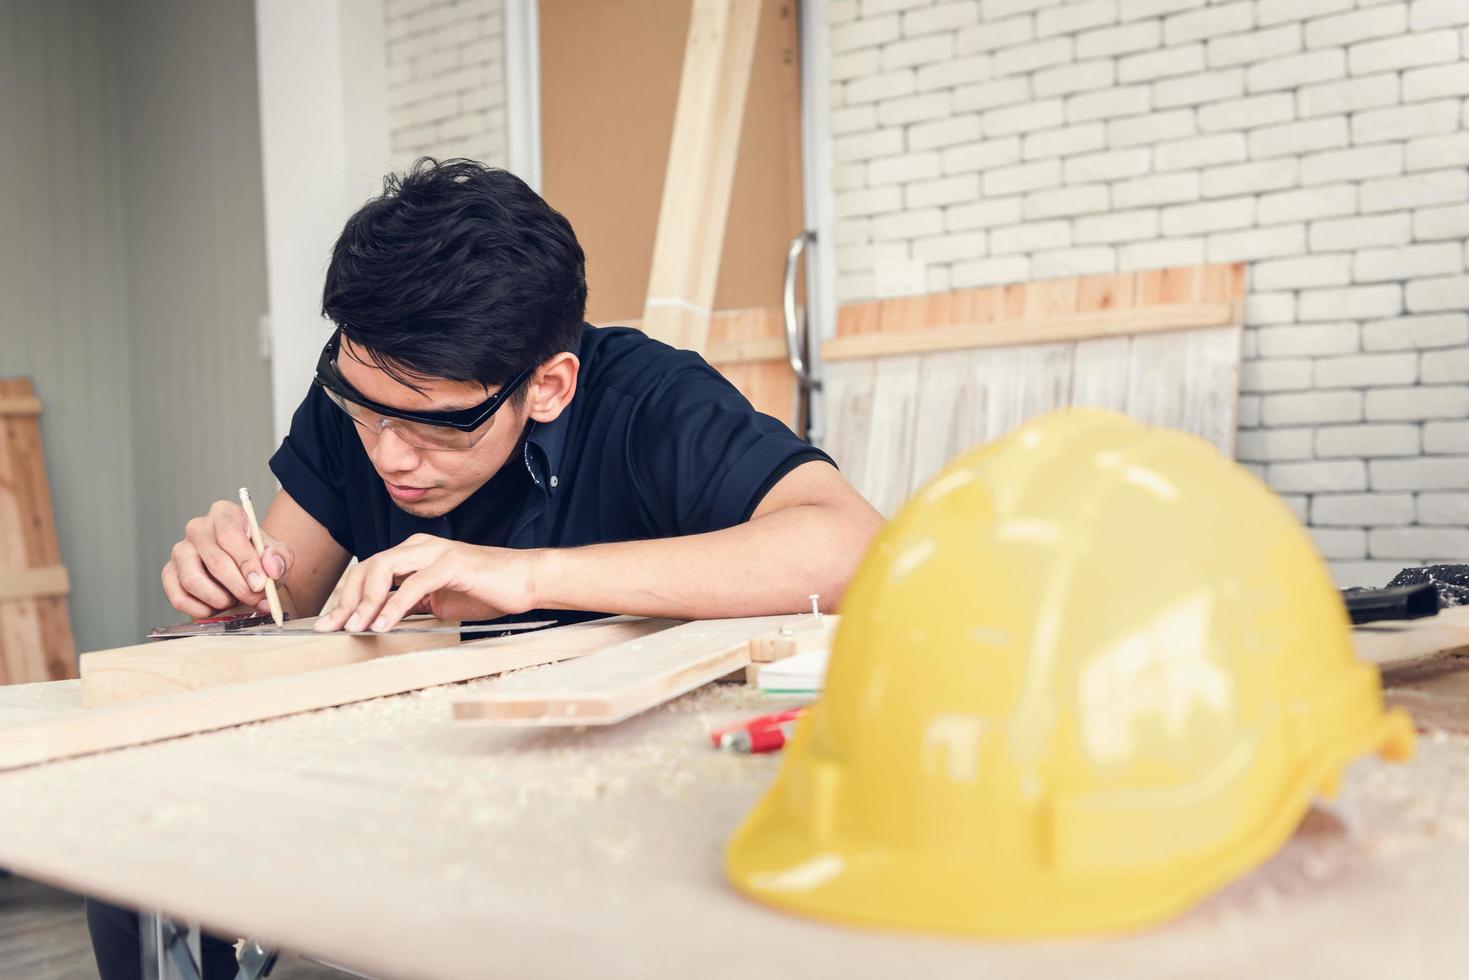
point(392, 454)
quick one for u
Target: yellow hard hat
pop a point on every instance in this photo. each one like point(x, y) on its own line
point(1090, 673)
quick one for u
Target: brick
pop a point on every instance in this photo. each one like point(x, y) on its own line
point(1247, 113)
point(1407, 262)
point(943, 190)
point(1417, 332)
point(1311, 407)
point(1257, 243)
point(1276, 374)
point(1362, 509)
point(1264, 308)
point(875, 8)
point(1418, 403)
point(1451, 221)
point(1134, 9)
point(852, 119)
point(1156, 189)
point(990, 272)
point(919, 51)
point(865, 146)
point(1065, 201)
point(1005, 8)
point(1446, 438)
point(1446, 365)
point(1311, 202)
point(1353, 164)
point(1358, 574)
point(1296, 70)
point(1022, 177)
point(993, 34)
point(863, 33)
point(913, 108)
point(1144, 36)
point(1197, 89)
point(952, 247)
point(1116, 226)
point(1246, 178)
point(909, 223)
point(1093, 260)
point(1029, 237)
point(988, 95)
point(942, 17)
point(1419, 474)
point(1408, 51)
point(1271, 445)
point(854, 287)
point(854, 64)
point(852, 231)
point(1249, 411)
point(980, 156)
point(1299, 137)
point(1415, 190)
point(1346, 234)
point(1150, 129)
point(1213, 21)
point(1438, 152)
point(944, 132)
point(864, 257)
point(1028, 57)
point(1443, 508)
point(1302, 272)
point(1108, 165)
point(1107, 103)
point(1083, 76)
point(1066, 141)
point(1072, 17)
point(1339, 542)
point(1298, 503)
point(1307, 340)
point(1320, 476)
point(1193, 219)
point(1163, 63)
point(1350, 303)
point(1366, 370)
point(1428, 14)
point(1242, 49)
point(1024, 118)
point(953, 71)
point(871, 201)
point(1348, 95)
point(987, 213)
point(1406, 122)
point(1199, 151)
point(1418, 542)
point(1360, 25)
point(1436, 83)
point(1161, 255)
point(903, 168)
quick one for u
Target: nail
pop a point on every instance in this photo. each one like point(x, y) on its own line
point(354, 624)
point(256, 582)
point(380, 624)
point(277, 566)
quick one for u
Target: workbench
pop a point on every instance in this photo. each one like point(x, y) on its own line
point(385, 837)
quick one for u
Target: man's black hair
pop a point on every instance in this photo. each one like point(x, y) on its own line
point(457, 271)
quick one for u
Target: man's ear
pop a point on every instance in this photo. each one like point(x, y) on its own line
point(552, 386)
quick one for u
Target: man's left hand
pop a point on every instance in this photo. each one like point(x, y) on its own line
point(450, 579)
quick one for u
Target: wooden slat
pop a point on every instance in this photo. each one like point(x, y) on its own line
point(1038, 330)
point(20, 405)
point(701, 165)
point(171, 716)
point(1396, 642)
point(808, 634)
point(150, 670)
point(34, 583)
point(619, 682)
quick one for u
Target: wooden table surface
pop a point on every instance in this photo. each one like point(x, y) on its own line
point(383, 836)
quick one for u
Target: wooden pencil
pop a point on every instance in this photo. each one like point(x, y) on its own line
point(259, 542)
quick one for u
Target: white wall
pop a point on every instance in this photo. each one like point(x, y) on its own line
point(1322, 141)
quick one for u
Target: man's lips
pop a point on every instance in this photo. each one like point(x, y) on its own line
point(405, 493)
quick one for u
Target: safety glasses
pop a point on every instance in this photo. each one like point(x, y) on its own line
point(456, 430)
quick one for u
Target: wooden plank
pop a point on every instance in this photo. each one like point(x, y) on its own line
point(800, 637)
point(701, 166)
point(150, 670)
point(20, 405)
point(1400, 641)
point(171, 716)
point(619, 682)
point(1038, 330)
point(34, 583)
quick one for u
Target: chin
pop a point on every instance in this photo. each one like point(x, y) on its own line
point(426, 509)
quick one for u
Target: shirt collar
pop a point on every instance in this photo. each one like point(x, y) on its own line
point(545, 446)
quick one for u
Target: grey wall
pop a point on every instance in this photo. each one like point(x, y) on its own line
point(132, 277)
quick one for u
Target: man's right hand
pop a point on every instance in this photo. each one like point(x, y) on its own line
point(215, 568)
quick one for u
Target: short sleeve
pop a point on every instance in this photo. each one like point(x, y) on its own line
point(701, 455)
point(309, 464)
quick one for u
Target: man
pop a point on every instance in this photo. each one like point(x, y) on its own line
point(473, 443)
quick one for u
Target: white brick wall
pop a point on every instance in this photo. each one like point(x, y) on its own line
point(446, 79)
point(1322, 141)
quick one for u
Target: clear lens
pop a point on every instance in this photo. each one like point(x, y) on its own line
point(416, 434)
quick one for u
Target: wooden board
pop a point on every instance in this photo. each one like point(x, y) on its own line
point(1396, 642)
point(619, 682)
point(150, 670)
point(912, 382)
point(171, 716)
point(36, 641)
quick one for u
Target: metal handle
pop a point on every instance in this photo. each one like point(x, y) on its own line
point(795, 320)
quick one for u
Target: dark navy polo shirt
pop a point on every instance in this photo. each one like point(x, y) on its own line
point(655, 443)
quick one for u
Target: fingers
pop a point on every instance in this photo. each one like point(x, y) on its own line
point(377, 583)
point(226, 541)
point(413, 592)
point(180, 599)
point(194, 579)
